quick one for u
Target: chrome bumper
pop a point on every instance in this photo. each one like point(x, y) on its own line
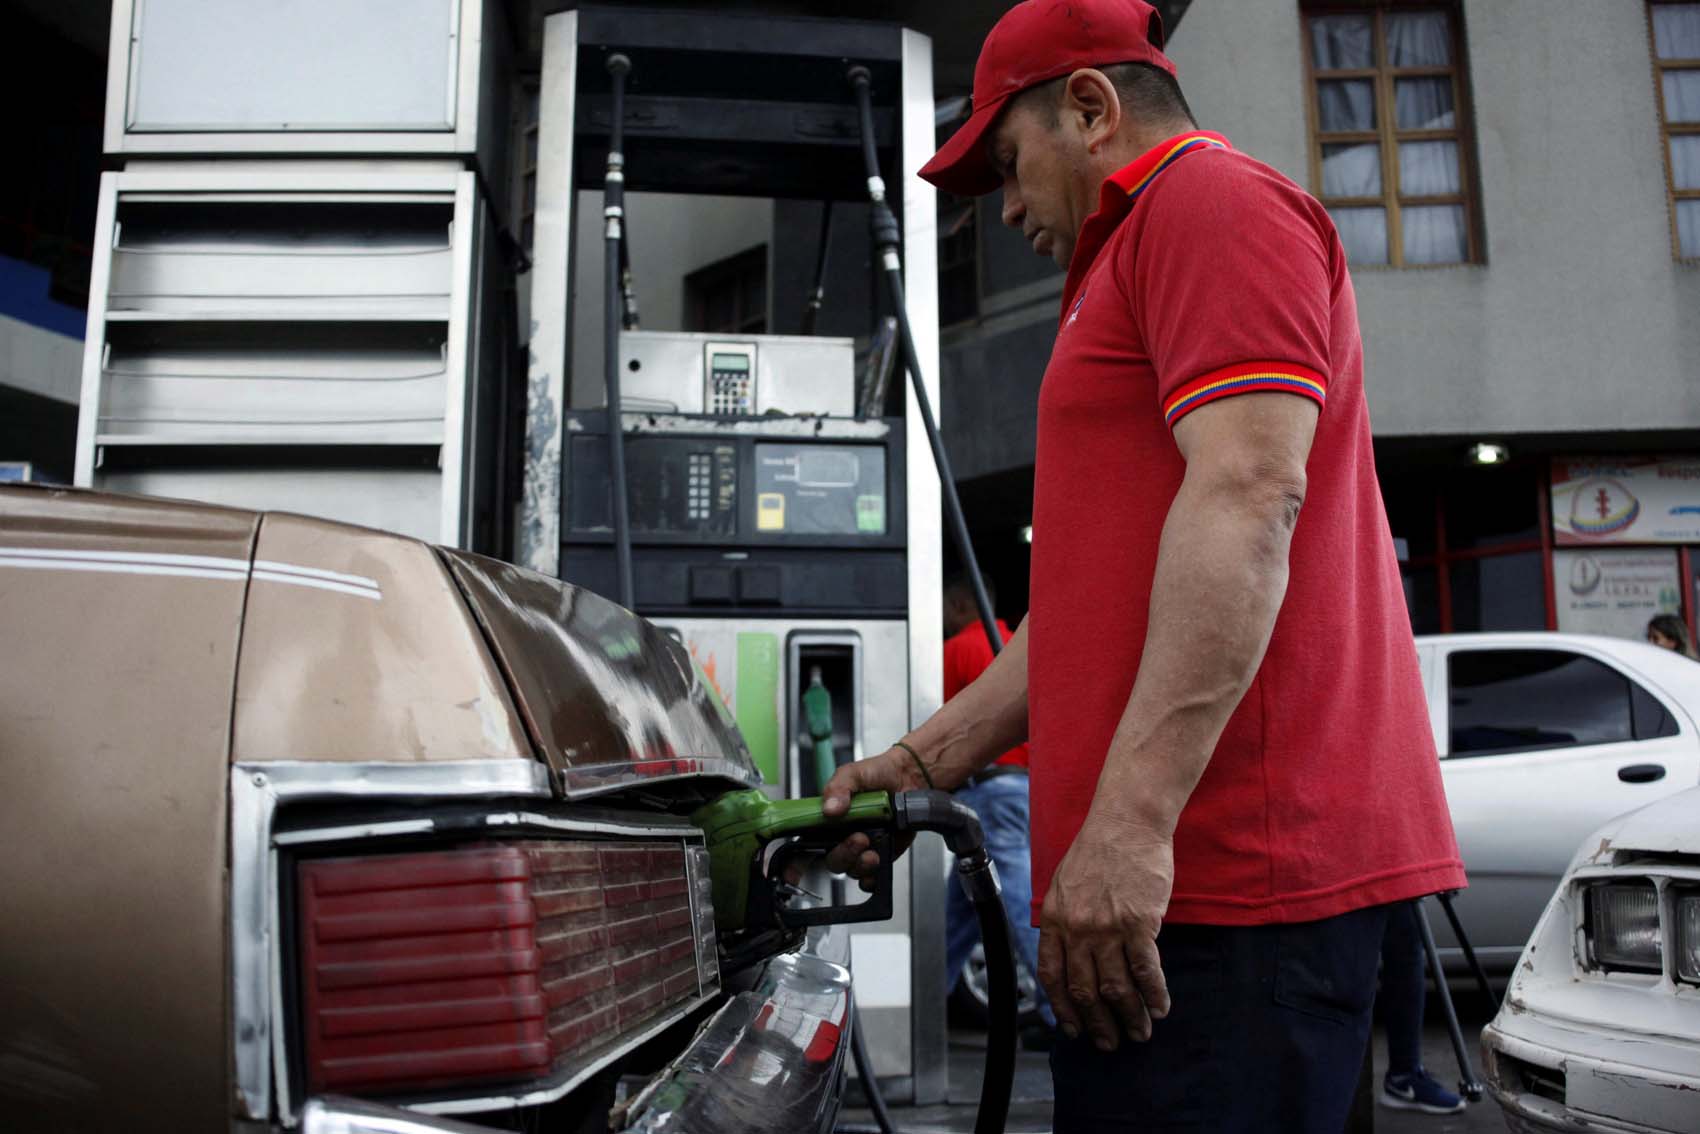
point(770, 1061)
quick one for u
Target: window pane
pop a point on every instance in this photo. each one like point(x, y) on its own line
point(1688, 227)
point(1676, 30)
point(1434, 234)
point(1423, 104)
point(1364, 233)
point(1507, 700)
point(1418, 39)
point(1682, 96)
point(1652, 719)
point(1499, 592)
point(1352, 171)
point(1346, 104)
point(1342, 43)
point(1428, 169)
point(1685, 161)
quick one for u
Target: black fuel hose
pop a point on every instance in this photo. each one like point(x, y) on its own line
point(887, 238)
point(614, 237)
point(943, 813)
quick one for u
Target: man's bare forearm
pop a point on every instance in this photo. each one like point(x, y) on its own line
point(1221, 576)
point(981, 723)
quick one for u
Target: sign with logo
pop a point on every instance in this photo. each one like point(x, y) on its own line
point(1626, 500)
point(1615, 590)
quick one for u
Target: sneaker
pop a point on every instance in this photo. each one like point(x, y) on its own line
point(1418, 1090)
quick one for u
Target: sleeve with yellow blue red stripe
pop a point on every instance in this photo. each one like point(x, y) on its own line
point(1245, 378)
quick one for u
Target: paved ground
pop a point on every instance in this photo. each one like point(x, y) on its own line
point(1030, 1109)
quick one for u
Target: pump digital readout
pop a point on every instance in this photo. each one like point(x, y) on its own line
point(820, 489)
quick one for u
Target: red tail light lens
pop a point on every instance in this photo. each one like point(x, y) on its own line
point(448, 969)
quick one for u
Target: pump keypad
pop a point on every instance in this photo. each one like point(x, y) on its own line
point(729, 393)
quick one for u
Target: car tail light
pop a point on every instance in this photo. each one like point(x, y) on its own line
point(447, 969)
point(1623, 924)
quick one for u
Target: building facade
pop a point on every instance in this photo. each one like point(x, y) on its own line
point(1517, 182)
point(1518, 186)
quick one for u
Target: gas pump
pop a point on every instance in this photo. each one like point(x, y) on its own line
point(789, 542)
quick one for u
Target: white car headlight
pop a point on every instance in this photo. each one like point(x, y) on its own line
point(1688, 936)
point(1623, 927)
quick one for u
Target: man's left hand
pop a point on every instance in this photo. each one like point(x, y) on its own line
point(1098, 931)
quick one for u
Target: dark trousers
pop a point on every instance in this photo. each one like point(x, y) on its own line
point(1404, 984)
point(1266, 1033)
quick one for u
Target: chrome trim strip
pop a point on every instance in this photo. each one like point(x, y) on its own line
point(677, 829)
point(598, 779)
point(354, 831)
point(255, 792)
point(317, 577)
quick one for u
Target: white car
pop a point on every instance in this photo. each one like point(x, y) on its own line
point(1542, 738)
point(1600, 1029)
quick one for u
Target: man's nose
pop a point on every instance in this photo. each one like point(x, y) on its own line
point(1013, 210)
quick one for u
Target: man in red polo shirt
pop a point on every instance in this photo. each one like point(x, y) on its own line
point(1232, 769)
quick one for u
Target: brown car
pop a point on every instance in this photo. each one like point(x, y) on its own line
point(309, 826)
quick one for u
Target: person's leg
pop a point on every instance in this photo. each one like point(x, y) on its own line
point(1002, 804)
point(1266, 1032)
point(1403, 986)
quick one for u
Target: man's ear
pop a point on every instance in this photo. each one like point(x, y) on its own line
point(1090, 101)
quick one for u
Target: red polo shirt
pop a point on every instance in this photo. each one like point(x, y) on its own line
point(1206, 274)
point(967, 654)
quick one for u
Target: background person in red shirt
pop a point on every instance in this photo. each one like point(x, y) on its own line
point(998, 795)
point(1232, 770)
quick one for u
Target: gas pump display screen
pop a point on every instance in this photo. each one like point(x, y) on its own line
point(814, 489)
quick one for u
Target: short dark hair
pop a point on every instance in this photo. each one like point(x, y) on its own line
point(1145, 91)
point(959, 583)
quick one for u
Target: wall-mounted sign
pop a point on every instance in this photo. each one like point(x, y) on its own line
point(1626, 500)
point(1615, 590)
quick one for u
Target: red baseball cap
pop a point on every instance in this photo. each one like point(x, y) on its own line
point(1035, 41)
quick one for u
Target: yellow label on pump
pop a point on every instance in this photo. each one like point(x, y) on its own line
point(770, 512)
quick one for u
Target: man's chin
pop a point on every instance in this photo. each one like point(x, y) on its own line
point(1061, 255)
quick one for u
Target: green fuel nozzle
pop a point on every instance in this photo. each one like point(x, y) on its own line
point(740, 828)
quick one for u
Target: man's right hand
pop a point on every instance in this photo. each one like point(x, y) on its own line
point(893, 770)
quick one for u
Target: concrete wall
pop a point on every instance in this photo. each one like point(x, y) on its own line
point(671, 236)
point(1580, 319)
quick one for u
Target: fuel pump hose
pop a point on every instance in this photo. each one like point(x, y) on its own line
point(940, 812)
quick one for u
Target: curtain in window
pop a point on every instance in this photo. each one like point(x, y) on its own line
point(1685, 161)
point(1346, 104)
point(1351, 170)
point(1676, 30)
point(1418, 39)
point(1688, 227)
point(1342, 43)
point(1434, 234)
point(1682, 96)
point(1428, 169)
point(1363, 232)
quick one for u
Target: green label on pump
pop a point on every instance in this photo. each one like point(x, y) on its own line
point(757, 695)
point(870, 514)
